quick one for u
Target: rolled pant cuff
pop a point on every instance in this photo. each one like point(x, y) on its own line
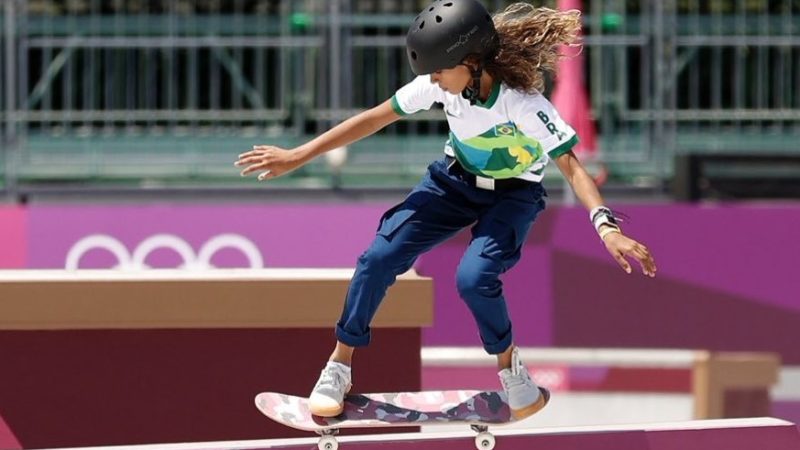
point(350, 339)
point(499, 347)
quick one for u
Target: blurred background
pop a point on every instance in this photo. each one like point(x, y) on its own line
point(120, 121)
point(105, 95)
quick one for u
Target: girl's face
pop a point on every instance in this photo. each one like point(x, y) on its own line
point(453, 80)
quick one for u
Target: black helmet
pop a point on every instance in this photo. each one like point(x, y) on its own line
point(446, 32)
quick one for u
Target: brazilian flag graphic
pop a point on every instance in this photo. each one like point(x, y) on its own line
point(503, 151)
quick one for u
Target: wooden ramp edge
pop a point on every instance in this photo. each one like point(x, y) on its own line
point(763, 433)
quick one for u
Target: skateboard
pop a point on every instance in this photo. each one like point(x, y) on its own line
point(479, 409)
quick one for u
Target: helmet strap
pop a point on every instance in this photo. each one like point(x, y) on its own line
point(471, 93)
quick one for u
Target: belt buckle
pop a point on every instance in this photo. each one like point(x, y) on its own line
point(484, 183)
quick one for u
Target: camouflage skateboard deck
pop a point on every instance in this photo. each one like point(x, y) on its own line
point(391, 409)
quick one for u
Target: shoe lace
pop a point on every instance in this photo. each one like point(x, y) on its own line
point(331, 376)
point(519, 374)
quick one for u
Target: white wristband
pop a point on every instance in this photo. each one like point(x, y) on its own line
point(602, 215)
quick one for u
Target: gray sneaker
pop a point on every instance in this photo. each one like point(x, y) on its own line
point(327, 398)
point(524, 397)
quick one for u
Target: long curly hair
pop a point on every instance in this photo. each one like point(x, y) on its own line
point(529, 44)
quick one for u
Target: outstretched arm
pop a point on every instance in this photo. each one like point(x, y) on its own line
point(617, 244)
point(274, 161)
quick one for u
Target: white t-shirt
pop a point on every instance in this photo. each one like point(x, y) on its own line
point(512, 135)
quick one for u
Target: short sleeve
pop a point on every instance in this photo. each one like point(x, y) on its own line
point(537, 118)
point(420, 94)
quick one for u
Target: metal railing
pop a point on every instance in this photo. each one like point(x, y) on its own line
point(167, 92)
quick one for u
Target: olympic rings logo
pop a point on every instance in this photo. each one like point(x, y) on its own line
point(137, 260)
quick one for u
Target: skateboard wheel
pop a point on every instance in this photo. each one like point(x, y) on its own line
point(327, 443)
point(484, 441)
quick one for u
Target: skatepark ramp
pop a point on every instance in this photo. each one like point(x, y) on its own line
point(728, 434)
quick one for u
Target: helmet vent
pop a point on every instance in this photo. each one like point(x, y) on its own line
point(413, 55)
point(438, 19)
point(422, 25)
point(448, 4)
point(430, 9)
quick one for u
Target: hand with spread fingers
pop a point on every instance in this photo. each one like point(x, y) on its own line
point(271, 161)
point(622, 247)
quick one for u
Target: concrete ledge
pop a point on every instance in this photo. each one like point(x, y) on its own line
point(723, 384)
point(229, 298)
point(729, 434)
point(104, 357)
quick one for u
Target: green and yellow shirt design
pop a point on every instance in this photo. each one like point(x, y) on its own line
point(500, 152)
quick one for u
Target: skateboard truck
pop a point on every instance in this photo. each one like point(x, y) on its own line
point(484, 440)
point(327, 439)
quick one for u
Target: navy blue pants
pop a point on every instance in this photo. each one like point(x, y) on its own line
point(444, 202)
